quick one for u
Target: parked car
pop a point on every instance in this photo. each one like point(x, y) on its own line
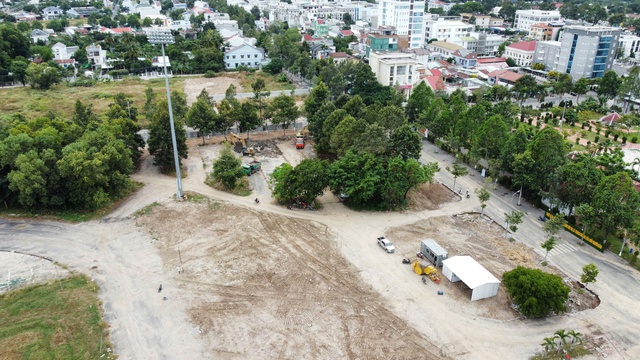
point(386, 245)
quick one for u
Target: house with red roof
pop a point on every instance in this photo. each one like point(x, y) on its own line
point(345, 33)
point(503, 77)
point(339, 57)
point(611, 119)
point(521, 52)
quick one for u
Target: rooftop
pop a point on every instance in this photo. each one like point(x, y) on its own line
point(447, 45)
point(524, 46)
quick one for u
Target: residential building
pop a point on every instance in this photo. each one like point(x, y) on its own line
point(525, 18)
point(503, 77)
point(521, 52)
point(587, 51)
point(445, 27)
point(81, 12)
point(97, 58)
point(406, 16)
point(62, 51)
point(243, 55)
point(630, 44)
point(177, 24)
point(541, 32)
point(339, 57)
point(465, 58)
point(52, 12)
point(484, 21)
point(262, 24)
point(445, 49)
point(320, 28)
point(39, 35)
point(481, 43)
point(394, 68)
point(385, 39)
point(436, 4)
point(548, 54)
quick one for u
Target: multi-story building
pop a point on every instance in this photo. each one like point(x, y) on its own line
point(630, 44)
point(406, 16)
point(481, 43)
point(445, 27)
point(548, 54)
point(385, 39)
point(436, 4)
point(541, 32)
point(394, 68)
point(243, 55)
point(583, 51)
point(521, 52)
point(484, 21)
point(525, 18)
point(588, 51)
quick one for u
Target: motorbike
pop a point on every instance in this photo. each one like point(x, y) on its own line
point(542, 218)
point(257, 201)
point(406, 261)
point(468, 195)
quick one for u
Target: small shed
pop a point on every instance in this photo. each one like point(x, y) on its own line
point(464, 268)
point(433, 252)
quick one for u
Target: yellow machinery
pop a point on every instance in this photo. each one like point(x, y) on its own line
point(426, 269)
point(300, 137)
point(235, 139)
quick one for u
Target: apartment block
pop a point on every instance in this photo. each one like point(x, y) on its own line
point(406, 16)
point(525, 18)
point(445, 27)
point(394, 68)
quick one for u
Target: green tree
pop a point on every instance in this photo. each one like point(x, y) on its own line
point(247, 117)
point(346, 18)
point(548, 152)
point(511, 221)
point(562, 335)
point(373, 140)
point(316, 99)
point(405, 142)
point(19, 70)
point(609, 85)
point(483, 195)
point(615, 202)
point(630, 86)
point(548, 245)
point(419, 101)
point(29, 179)
point(490, 138)
point(283, 110)
point(260, 92)
point(342, 137)
point(515, 145)
point(589, 274)
point(578, 182)
point(524, 88)
point(305, 182)
point(575, 336)
point(227, 169)
point(581, 87)
point(160, 143)
point(357, 175)
point(458, 169)
point(549, 343)
point(536, 293)
point(83, 115)
point(42, 76)
point(149, 105)
point(202, 117)
point(402, 176)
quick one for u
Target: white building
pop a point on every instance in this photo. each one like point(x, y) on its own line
point(394, 68)
point(525, 18)
point(445, 27)
point(406, 17)
point(39, 35)
point(243, 55)
point(463, 268)
point(436, 4)
point(548, 54)
point(521, 52)
point(52, 12)
point(630, 44)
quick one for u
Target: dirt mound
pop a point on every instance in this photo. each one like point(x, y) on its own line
point(214, 86)
point(265, 284)
point(430, 197)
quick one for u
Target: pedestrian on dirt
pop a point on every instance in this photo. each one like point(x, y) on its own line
point(160, 288)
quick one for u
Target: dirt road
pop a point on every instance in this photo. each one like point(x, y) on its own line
point(300, 275)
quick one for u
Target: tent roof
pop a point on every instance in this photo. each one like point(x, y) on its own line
point(469, 271)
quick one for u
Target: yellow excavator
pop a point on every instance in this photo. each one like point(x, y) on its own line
point(426, 269)
point(300, 138)
point(241, 144)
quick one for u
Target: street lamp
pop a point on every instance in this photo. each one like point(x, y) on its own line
point(163, 36)
point(514, 194)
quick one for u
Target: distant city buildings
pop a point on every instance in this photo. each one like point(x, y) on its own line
point(445, 27)
point(521, 52)
point(406, 16)
point(525, 18)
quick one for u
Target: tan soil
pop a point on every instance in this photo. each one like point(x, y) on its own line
point(260, 283)
point(483, 239)
point(217, 85)
point(430, 197)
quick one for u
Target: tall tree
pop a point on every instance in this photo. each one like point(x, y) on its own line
point(458, 169)
point(548, 153)
point(419, 101)
point(578, 181)
point(609, 85)
point(581, 87)
point(202, 117)
point(616, 202)
point(260, 92)
point(227, 169)
point(283, 110)
point(160, 143)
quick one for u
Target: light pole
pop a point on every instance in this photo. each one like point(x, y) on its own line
point(563, 110)
point(163, 36)
point(514, 194)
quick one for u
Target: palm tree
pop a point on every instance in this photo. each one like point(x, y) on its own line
point(549, 344)
point(562, 335)
point(575, 336)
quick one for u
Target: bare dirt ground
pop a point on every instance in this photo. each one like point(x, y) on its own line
point(216, 85)
point(21, 270)
point(271, 285)
point(430, 197)
point(481, 238)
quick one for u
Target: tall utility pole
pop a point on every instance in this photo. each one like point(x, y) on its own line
point(163, 36)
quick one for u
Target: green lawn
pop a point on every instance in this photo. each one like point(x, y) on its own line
point(60, 320)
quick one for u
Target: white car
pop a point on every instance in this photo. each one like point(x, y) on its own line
point(386, 245)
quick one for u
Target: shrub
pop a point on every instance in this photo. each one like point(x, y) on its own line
point(634, 139)
point(597, 139)
point(536, 293)
point(210, 74)
point(624, 139)
point(615, 137)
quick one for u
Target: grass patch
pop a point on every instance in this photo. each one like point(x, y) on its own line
point(59, 320)
point(242, 187)
point(61, 98)
point(248, 78)
point(69, 215)
point(147, 209)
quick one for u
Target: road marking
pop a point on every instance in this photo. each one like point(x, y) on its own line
point(561, 249)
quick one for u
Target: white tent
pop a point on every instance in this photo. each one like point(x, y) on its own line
point(481, 282)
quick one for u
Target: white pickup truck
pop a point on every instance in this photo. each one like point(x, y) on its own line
point(386, 245)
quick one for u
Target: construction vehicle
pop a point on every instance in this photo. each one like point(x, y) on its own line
point(240, 145)
point(300, 138)
point(252, 167)
point(421, 268)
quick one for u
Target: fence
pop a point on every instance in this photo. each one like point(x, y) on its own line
point(580, 234)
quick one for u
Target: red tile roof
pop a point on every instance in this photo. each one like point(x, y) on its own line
point(122, 30)
point(491, 60)
point(338, 55)
point(524, 45)
point(346, 32)
point(611, 118)
point(436, 83)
